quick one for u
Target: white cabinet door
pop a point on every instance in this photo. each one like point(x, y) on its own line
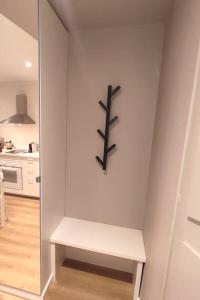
point(30, 173)
point(184, 270)
point(53, 114)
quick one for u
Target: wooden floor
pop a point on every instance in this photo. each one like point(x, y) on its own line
point(4, 296)
point(20, 262)
point(20, 245)
point(76, 284)
point(93, 283)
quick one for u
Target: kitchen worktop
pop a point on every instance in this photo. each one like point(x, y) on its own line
point(22, 155)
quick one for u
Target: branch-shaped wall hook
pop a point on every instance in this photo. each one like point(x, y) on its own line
point(109, 122)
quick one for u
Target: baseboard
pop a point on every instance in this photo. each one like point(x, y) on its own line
point(99, 259)
point(24, 294)
point(19, 293)
point(46, 286)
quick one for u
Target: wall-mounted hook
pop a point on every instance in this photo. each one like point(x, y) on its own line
point(105, 135)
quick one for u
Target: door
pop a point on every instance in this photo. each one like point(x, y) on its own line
point(54, 41)
point(183, 280)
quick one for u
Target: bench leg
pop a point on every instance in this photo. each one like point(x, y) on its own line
point(138, 279)
point(57, 259)
point(53, 261)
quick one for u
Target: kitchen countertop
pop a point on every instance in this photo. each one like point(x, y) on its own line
point(34, 155)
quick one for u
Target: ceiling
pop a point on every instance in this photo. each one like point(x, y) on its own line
point(24, 13)
point(17, 47)
point(92, 14)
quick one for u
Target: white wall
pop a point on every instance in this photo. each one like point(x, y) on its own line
point(129, 56)
point(21, 135)
point(53, 97)
point(171, 121)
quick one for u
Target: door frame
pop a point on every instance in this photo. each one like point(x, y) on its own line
point(178, 196)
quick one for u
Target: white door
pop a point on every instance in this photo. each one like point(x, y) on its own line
point(54, 42)
point(183, 282)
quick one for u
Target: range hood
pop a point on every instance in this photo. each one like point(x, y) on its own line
point(21, 116)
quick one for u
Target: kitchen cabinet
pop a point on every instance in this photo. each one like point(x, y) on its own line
point(20, 176)
point(30, 173)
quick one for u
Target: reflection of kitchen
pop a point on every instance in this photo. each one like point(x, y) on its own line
point(19, 148)
point(19, 157)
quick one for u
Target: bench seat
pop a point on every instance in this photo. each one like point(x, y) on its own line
point(102, 238)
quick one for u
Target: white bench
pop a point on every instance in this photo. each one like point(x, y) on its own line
point(111, 240)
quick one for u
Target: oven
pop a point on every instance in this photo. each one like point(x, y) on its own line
point(12, 174)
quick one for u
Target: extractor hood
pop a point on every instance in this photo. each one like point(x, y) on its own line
point(21, 117)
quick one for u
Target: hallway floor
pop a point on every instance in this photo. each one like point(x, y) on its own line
point(20, 245)
point(89, 282)
point(4, 296)
point(93, 283)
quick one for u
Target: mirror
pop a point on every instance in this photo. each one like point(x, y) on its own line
point(19, 146)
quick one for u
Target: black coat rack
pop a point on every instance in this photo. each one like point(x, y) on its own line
point(105, 136)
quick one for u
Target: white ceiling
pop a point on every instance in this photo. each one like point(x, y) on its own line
point(24, 13)
point(17, 46)
point(91, 14)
